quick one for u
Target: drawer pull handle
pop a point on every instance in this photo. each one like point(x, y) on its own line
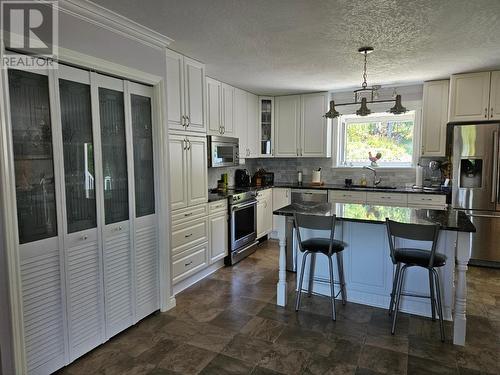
point(189, 214)
point(188, 235)
point(188, 263)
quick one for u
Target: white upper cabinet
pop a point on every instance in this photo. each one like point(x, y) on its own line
point(314, 133)
point(185, 93)
point(495, 96)
point(469, 97)
point(241, 120)
point(194, 83)
point(228, 109)
point(175, 91)
point(434, 117)
point(220, 108)
point(246, 108)
point(287, 127)
point(214, 105)
point(252, 142)
point(300, 126)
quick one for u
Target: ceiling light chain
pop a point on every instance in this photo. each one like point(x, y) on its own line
point(364, 110)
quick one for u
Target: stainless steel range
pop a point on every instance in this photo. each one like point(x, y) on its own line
point(242, 225)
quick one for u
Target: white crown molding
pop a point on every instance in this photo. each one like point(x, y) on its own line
point(107, 19)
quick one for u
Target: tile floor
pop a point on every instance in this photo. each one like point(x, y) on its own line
point(228, 324)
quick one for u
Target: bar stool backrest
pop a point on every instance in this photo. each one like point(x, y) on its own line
point(416, 232)
point(314, 222)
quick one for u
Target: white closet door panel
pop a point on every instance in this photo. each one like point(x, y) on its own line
point(43, 310)
point(85, 307)
point(117, 278)
point(146, 263)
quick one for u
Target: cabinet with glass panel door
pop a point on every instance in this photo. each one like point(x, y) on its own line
point(266, 126)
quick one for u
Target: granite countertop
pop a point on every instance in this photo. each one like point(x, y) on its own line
point(343, 187)
point(448, 219)
point(214, 195)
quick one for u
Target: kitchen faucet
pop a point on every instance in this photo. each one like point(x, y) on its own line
point(375, 180)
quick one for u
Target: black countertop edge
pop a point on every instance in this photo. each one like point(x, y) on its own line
point(342, 187)
point(449, 219)
point(217, 196)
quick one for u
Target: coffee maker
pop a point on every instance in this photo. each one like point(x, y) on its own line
point(241, 178)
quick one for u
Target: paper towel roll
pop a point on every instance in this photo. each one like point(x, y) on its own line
point(420, 176)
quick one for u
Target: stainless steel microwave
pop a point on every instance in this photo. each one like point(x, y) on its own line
point(223, 151)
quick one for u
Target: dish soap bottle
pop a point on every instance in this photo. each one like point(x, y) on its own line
point(362, 181)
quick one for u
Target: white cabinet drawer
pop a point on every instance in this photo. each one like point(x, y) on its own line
point(346, 196)
point(387, 199)
point(190, 264)
point(188, 234)
point(190, 213)
point(217, 206)
point(427, 200)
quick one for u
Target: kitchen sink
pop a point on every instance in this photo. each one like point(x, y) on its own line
point(382, 187)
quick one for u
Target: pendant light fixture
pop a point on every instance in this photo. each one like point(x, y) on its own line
point(361, 94)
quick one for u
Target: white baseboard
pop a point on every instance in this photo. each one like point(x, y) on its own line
point(186, 283)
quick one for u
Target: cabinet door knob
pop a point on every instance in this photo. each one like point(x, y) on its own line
point(84, 237)
point(491, 112)
point(486, 113)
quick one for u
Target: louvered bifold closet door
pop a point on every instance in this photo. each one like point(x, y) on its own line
point(108, 97)
point(145, 237)
point(81, 224)
point(37, 182)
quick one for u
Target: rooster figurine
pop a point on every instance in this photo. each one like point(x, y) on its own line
point(375, 158)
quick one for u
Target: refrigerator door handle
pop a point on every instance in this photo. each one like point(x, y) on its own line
point(487, 216)
point(494, 186)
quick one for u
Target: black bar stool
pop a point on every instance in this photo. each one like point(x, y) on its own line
point(327, 246)
point(405, 258)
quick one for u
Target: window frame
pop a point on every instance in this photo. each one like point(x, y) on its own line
point(340, 162)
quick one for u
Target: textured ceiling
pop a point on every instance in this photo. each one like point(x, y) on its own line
point(288, 46)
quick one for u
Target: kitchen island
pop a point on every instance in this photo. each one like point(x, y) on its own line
point(367, 264)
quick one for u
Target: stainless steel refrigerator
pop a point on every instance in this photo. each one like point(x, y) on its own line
point(476, 161)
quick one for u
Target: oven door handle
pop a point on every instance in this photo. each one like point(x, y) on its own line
point(243, 205)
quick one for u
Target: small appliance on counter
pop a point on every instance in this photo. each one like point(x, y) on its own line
point(299, 177)
point(263, 178)
point(316, 177)
point(241, 178)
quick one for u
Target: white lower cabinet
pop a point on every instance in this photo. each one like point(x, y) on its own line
point(424, 200)
point(346, 196)
point(190, 262)
point(427, 201)
point(387, 199)
point(218, 230)
point(190, 241)
point(281, 197)
point(264, 212)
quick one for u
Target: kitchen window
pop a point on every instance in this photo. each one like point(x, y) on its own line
point(390, 136)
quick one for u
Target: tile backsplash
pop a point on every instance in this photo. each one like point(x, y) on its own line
point(285, 170)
